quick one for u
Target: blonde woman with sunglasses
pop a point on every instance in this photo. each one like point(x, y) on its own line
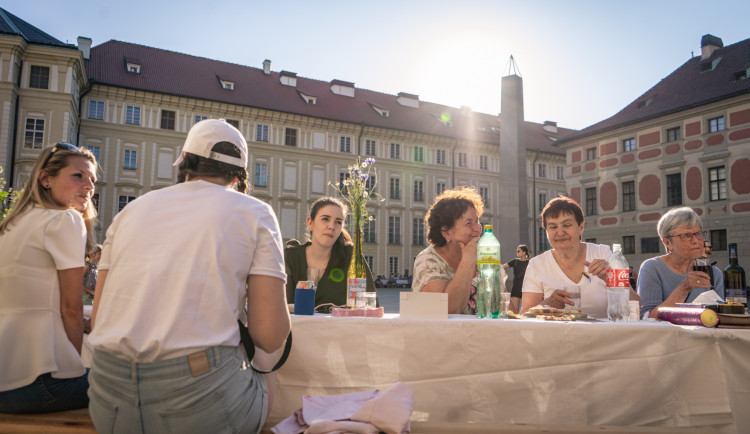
point(43, 241)
point(669, 279)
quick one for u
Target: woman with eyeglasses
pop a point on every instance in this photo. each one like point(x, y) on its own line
point(518, 264)
point(43, 241)
point(669, 279)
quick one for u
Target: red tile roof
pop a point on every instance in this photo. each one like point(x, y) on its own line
point(697, 82)
point(169, 72)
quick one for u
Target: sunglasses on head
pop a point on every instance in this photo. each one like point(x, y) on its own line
point(62, 145)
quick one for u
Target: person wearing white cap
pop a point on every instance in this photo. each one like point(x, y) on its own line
point(179, 267)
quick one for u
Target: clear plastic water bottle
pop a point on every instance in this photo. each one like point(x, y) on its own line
point(618, 276)
point(489, 265)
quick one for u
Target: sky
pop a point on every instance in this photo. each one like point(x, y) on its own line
point(581, 60)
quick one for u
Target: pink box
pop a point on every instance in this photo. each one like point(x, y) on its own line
point(371, 313)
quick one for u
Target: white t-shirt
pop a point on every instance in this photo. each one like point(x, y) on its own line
point(178, 261)
point(543, 275)
point(32, 250)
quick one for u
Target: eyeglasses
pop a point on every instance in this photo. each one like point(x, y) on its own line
point(689, 236)
point(57, 147)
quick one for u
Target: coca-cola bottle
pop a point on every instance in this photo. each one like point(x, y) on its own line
point(618, 273)
point(618, 286)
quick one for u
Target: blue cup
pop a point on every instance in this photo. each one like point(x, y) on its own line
point(304, 301)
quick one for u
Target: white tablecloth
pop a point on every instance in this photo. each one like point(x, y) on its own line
point(527, 371)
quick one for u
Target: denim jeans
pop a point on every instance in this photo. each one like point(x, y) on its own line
point(163, 396)
point(46, 394)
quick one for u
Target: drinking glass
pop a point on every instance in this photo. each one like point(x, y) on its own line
point(618, 306)
point(371, 300)
point(504, 302)
point(360, 301)
point(701, 265)
point(313, 274)
point(575, 296)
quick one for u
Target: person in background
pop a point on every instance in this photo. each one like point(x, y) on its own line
point(633, 278)
point(666, 280)
point(569, 262)
point(707, 250)
point(518, 264)
point(42, 245)
point(449, 263)
point(329, 249)
point(90, 273)
point(166, 343)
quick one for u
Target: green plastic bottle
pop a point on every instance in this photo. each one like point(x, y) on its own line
point(489, 265)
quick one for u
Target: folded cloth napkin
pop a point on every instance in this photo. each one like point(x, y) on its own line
point(358, 412)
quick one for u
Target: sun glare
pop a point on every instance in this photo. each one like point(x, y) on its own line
point(463, 71)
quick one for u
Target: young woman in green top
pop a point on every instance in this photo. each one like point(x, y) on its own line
point(329, 249)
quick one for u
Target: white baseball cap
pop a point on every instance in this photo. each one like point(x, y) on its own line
point(207, 133)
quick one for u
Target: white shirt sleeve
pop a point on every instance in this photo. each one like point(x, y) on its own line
point(65, 240)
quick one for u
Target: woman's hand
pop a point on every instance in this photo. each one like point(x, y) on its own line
point(558, 299)
point(469, 250)
point(696, 280)
point(598, 268)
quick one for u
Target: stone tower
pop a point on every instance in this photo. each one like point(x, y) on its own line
point(514, 208)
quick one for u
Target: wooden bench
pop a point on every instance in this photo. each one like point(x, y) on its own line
point(72, 421)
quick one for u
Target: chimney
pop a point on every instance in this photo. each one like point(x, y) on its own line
point(550, 126)
point(267, 67)
point(709, 44)
point(84, 46)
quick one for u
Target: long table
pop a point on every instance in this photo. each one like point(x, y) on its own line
point(527, 371)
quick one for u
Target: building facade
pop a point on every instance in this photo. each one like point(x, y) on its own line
point(137, 104)
point(685, 142)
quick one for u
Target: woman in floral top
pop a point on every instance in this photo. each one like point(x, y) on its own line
point(449, 263)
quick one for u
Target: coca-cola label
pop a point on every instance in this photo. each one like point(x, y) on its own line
point(618, 278)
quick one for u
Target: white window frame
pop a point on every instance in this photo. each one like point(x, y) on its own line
point(97, 108)
point(440, 187)
point(419, 154)
point(484, 162)
point(371, 147)
point(463, 159)
point(396, 151)
point(96, 150)
point(33, 136)
point(345, 144)
point(440, 156)
point(260, 173)
point(418, 190)
point(133, 114)
point(130, 159)
point(261, 133)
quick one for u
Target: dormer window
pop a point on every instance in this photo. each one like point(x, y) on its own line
point(132, 65)
point(381, 111)
point(288, 78)
point(134, 68)
point(343, 88)
point(308, 99)
point(408, 99)
point(225, 84)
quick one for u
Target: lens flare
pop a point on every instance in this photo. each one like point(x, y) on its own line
point(337, 274)
point(445, 117)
